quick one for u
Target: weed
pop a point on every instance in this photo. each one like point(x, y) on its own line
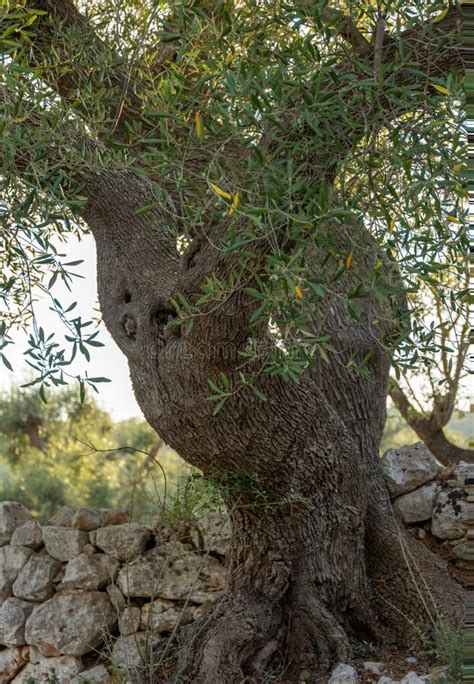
point(445, 646)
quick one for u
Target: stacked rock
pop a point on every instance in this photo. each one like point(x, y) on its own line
point(90, 594)
point(429, 499)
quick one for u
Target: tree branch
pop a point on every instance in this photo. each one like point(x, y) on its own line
point(428, 431)
point(64, 36)
point(347, 28)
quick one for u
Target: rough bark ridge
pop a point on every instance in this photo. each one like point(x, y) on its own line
point(310, 512)
point(318, 558)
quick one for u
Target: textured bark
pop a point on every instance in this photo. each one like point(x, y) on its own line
point(318, 558)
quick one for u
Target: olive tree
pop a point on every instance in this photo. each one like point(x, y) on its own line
point(267, 183)
point(427, 397)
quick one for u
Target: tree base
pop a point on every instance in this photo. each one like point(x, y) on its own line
point(277, 623)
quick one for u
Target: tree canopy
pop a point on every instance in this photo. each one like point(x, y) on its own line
point(306, 132)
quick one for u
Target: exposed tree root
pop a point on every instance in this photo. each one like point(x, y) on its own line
point(294, 629)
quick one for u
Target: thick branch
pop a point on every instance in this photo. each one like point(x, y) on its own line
point(64, 36)
point(427, 429)
point(348, 30)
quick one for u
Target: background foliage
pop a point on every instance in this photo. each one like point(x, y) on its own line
point(74, 458)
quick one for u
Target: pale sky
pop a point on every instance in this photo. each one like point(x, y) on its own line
point(116, 396)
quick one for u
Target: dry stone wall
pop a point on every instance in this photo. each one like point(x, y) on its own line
point(429, 500)
point(87, 597)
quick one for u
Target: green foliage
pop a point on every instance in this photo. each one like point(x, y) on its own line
point(79, 456)
point(256, 117)
point(445, 646)
point(192, 497)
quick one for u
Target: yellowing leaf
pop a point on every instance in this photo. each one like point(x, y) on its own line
point(350, 256)
point(198, 124)
point(453, 219)
point(392, 224)
point(457, 167)
point(299, 292)
point(235, 203)
point(441, 16)
point(220, 192)
point(441, 89)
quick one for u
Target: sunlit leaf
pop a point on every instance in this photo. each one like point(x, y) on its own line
point(198, 126)
point(441, 16)
point(235, 203)
point(219, 192)
point(441, 89)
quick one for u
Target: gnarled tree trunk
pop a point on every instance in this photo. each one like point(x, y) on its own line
point(317, 558)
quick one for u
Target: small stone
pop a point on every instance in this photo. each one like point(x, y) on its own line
point(162, 616)
point(407, 468)
point(114, 516)
point(134, 651)
point(87, 519)
point(461, 473)
point(123, 542)
point(386, 680)
point(35, 580)
point(411, 660)
point(13, 615)
point(58, 670)
point(12, 559)
point(90, 571)
point(63, 518)
point(116, 597)
point(343, 674)
point(412, 678)
point(462, 549)
point(216, 533)
point(416, 506)
point(129, 620)
point(374, 668)
point(29, 535)
point(64, 543)
point(138, 579)
point(450, 513)
point(12, 515)
point(96, 675)
point(11, 661)
point(89, 549)
point(71, 623)
point(184, 577)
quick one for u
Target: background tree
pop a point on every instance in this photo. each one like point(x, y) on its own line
point(80, 457)
point(263, 183)
point(427, 397)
